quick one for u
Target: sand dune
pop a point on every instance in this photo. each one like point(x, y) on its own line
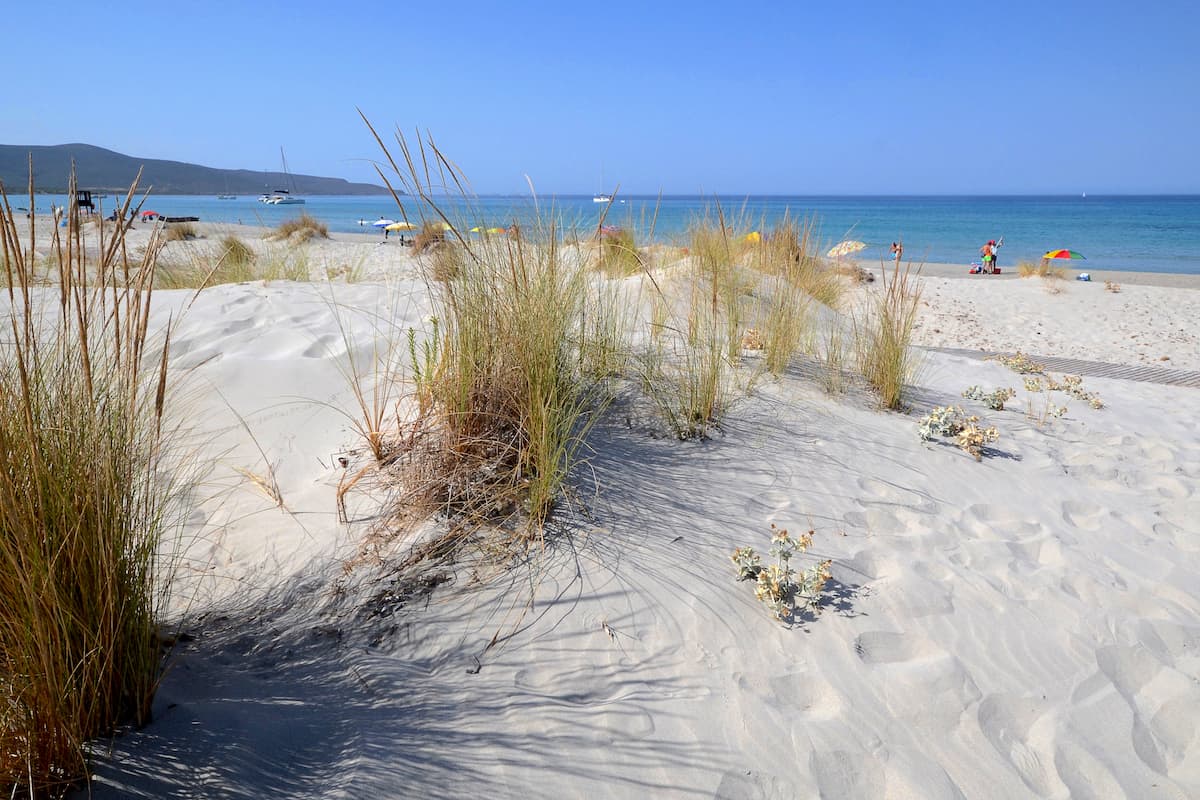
point(1025, 626)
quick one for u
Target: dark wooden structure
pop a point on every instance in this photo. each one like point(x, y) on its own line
point(83, 200)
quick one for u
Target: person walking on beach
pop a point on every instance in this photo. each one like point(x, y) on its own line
point(898, 252)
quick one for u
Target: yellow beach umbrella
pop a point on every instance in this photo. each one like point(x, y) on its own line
point(753, 237)
point(400, 226)
point(846, 248)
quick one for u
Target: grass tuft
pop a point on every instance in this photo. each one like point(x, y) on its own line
point(883, 335)
point(301, 229)
point(83, 502)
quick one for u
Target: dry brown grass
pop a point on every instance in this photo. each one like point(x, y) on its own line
point(301, 229)
point(180, 232)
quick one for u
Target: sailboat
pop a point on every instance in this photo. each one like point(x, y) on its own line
point(602, 196)
point(283, 197)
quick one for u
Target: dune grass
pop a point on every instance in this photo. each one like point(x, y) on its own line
point(1043, 269)
point(179, 232)
point(231, 261)
point(301, 229)
point(883, 335)
point(83, 502)
point(696, 332)
point(508, 403)
point(797, 277)
point(618, 254)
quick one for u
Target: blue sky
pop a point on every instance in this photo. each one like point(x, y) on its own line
point(745, 98)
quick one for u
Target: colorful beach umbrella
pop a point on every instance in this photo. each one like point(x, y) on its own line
point(1071, 254)
point(846, 248)
point(399, 226)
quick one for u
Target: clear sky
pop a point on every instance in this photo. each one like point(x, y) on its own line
point(784, 97)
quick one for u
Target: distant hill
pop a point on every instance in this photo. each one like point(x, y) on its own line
point(100, 169)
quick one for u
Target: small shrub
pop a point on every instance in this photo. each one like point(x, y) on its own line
point(994, 399)
point(782, 588)
point(953, 423)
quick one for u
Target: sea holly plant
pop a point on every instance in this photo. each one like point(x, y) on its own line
point(994, 399)
point(951, 422)
point(1073, 385)
point(1070, 384)
point(778, 585)
point(1020, 363)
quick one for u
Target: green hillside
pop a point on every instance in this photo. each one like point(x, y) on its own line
point(100, 169)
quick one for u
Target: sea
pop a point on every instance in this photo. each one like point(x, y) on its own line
point(1126, 232)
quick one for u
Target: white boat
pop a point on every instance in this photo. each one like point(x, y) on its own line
point(602, 198)
point(282, 197)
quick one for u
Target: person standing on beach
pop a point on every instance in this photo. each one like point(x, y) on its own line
point(988, 252)
point(898, 251)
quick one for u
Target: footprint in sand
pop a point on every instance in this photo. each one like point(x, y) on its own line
point(842, 773)
point(749, 784)
point(877, 492)
point(808, 693)
point(998, 522)
point(1164, 700)
point(869, 565)
point(1167, 486)
point(1021, 729)
point(887, 521)
point(1180, 524)
point(769, 503)
point(326, 346)
point(1082, 515)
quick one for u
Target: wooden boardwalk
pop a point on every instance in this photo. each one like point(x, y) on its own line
point(1093, 369)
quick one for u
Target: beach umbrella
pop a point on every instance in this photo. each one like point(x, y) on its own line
point(383, 223)
point(1066, 254)
point(846, 248)
point(150, 214)
point(497, 230)
point(754, 237)
point(399, 226)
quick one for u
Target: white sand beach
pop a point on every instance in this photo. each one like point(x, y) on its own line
point(1024, 626)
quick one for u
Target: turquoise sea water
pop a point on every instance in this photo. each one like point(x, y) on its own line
point(1149, 233)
